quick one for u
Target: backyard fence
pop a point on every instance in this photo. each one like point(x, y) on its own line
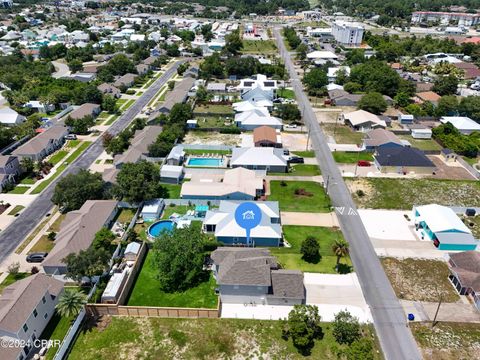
point(207, 147)
point(186, 202)
point(469, 167)
point(151, 311)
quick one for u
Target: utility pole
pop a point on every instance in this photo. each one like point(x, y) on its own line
point(436, 312)
point(308, 139)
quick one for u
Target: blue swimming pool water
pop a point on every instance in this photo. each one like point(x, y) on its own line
point(213, 162)
point(162, 225)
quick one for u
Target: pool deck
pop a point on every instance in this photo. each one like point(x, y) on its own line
point(223, 161)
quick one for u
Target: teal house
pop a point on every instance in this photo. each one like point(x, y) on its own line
point(442, 225)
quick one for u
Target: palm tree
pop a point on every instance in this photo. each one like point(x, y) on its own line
point(70, 303)
point(341, 249)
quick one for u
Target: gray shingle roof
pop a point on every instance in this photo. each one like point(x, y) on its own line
point(288, 284)
point(402, 156)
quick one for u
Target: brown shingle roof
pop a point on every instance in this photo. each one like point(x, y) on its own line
point(83, 110)
point(41, 141)
point(428, 96)
point(264, 133)
point(467, 267)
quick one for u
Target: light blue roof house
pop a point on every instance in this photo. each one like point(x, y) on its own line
point(221, 222)
point(441, 225)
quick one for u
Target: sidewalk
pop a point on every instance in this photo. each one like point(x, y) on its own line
point(449, 312)
point(309, 219)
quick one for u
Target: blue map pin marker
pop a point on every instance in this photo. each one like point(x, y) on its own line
point(248, 215)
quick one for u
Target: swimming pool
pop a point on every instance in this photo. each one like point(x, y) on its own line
point(157, 228)
point(200, 161)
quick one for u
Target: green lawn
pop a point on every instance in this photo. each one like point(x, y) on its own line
point(213, 122)
point(286, 93)
point(164, 338)
point(19, 190)
point(146, 291)
point(291, 258)
point(310, 196)
point(16, 210)
point(404, 193)
point(422, 144)
point(126, 215)
point(10, 279)
point(343, 134)
point(173, 190)
point(120, 102)
point(201, 152)
point(259, 46)
point(111, 120)
point(44, 244)
point(59, 155)
point(213, 109)
point(128, 104)
point(140, 93)
point(179, 209)
point(351, 157)
point(103, 115)
point(73, 143)
point(56, 329)
point(28, 181)
point(301, 170)
point(471, 161)
point(305, 154)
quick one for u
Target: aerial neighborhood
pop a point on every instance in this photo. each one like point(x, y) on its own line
point(239, 180)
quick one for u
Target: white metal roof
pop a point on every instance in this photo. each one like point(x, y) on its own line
point(461, 122)
point(441, 218)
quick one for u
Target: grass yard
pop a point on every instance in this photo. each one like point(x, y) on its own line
point(213, 122)
point(259, 46)
point(103, 115)
point(201, 152)
point(343, 133)
point(44, 244)
point(146, 291)
point(125, 215)
point(163, 338)
point(56, 329)
point(213, 109)
point(16, 210)
point(28, 181)
point(420, 280)
point(73, 143)
point(473, 223)
point(140, 93)
point(351, 157)
point(303, 196)
point(57, 223)
point(59, 155)
point(305, 154)
point(291, 258)
point(120, 102)
point(422, 144)
point(111, 120)
point(173, 190)
point(286, 93)
point(179, 209)
point(10, 279)
point(301, 170)
point(471, 161)
point(30, 237)
point(447, 341)
point(128, 104)
point(404, 193)
point(19, 190)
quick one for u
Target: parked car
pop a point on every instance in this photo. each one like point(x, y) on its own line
point(364, 163)
point(296, 160)
point(470, 212)
point(36, 257)
point(71, 137)
point(291, 126)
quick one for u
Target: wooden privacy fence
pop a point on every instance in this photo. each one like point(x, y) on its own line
point(152, 311)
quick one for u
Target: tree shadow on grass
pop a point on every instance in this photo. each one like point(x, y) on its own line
point(344, 269)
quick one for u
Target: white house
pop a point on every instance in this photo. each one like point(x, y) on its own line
point(362, 120)
point(10, 117)
point(152, 209)
point(40, 107)
point(422, 133)
point(250, 120)
point(462, 123)
point(332, 72)
point(259, 158)
point(322, 55)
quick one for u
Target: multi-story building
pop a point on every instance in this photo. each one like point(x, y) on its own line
point(347, 33)
point(446, 18)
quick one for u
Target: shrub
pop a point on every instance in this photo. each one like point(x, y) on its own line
point(51, 235)
point(360, 193)
point(346, 328)
point(34, 270)
point(130, 92)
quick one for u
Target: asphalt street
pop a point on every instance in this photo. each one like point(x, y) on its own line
point(15, 233)
point(389, 318)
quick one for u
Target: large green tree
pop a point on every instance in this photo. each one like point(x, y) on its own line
point(315, 80)
point(303, 327)
point(179, 257)
point(446, 85)
point(470, 106)
point(373, 102)
point(137, 182)
point(376, 76)
point(346, 328)
point(70, 303)
point(80, 126)
point(74, 189)
point(86, 263)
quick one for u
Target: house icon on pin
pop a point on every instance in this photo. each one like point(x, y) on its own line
point(248, 215)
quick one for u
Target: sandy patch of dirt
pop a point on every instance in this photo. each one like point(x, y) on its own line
point(212, 138)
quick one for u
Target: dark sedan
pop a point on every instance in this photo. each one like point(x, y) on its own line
point(36, 257)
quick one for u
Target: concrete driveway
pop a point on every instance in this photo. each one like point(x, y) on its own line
point(333, 293)
point(309, 219)
point(387, 224)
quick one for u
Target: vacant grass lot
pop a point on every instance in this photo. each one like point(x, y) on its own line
point(286, 93)
point(213, 109)
point(343, 134)
point(448, 341)
point(291, 258)
point(259, 46)
point(186, 339)
point(300, 170)
point(213, 122)
point(422, 144)
point(404, 193)
point(420, 280)
point(146, 291)
point(302, 196)
point(351, 157)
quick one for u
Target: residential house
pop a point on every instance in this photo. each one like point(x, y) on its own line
point(142, 69)
point(108, 89)
point(150, 61)
point(253, 276)
point(403, 160)
point(43, 144)
point(362, 120)
point(10, 117)
point(192, 72)
point(257, 94)
point(258, 81)
point(26, 307)
point(332, 72)
point(171, 174)
point(234, 184)
point(266, 136)
point(87, 109)
point(138, 148)
point(82, 77)
point(465, 274)
point(340, 97)
point(441, 225)
point(430, 96)
point(381, 137)
point(462, 123)
point(221, 222)
point(250, 120)
point(470, 70)
point(126, 80)
point(216, 87)
point(77, 232)
point(179, 94)
point(176, 156)
point(40, 107)
point(260, 158)
point(9, 169)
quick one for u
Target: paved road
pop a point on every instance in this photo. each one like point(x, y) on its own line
point(61, 70)
point(14, 234)
point(390, 323)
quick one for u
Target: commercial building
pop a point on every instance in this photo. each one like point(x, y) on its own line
point(446, 18)
point(347, 33)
